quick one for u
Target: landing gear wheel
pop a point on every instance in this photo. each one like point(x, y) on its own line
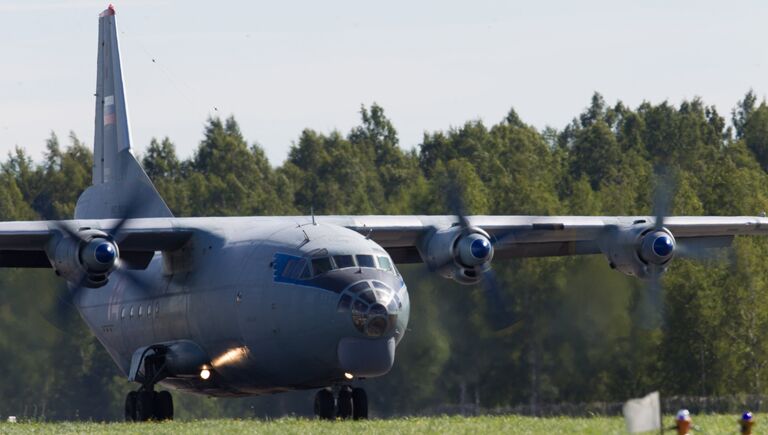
point(344, 403)
point(324, 404)
point(359, 404)
point(163, 406)
point(130, 406)
point(145, 401)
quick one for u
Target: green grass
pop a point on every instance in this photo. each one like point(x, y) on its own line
point(710, 424)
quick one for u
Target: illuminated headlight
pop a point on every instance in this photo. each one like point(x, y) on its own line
point(205, 374)
point(349, 376)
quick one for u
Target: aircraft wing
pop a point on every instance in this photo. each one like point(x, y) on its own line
point(23, 244)
point(545, 236)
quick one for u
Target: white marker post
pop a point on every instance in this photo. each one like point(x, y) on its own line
point(643, 414)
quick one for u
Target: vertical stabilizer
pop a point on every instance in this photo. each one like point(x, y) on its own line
point(119, 182)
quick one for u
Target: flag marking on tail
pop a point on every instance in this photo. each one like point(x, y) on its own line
point(109, 109)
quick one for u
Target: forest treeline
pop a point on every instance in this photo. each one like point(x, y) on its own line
point(583, 337)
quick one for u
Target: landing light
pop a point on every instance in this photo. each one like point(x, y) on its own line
point(205, 374)
point(349, 375)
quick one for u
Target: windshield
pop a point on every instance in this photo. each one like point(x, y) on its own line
point(289, 267)
point(366, 261)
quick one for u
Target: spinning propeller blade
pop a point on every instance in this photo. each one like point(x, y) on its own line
point(652, 315)
point(498, 317)
point(116, 234)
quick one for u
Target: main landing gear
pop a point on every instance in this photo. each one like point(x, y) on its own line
point(148, 404)
point(349, 403)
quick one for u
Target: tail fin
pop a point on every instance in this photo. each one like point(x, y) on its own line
point(118, 179)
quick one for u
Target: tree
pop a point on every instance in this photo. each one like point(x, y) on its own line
point(755, 134)
point(742, 112)
point(595, 152)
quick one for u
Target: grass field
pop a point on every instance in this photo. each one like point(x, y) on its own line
point(710, 424)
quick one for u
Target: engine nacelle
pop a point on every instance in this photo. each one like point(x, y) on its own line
point(458, 253)
point(87, 261)
point(640, 252)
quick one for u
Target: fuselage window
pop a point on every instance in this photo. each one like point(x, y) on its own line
point(122, 313)
point(366, 261)
point(141, 310)
point(343, 261)
point(131, 313)
point(385, 264)
point(149, 310)
point(157, 308)
point(321, 265)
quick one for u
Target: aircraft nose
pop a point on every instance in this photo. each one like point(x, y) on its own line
point(373, 305)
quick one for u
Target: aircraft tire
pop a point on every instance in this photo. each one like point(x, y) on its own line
point(145, 401)
point(324, 404)
point(344, 403)
point(130, 406)
point(359, 404)
point(163, 406)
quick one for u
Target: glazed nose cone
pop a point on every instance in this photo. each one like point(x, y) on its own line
point(373, 305)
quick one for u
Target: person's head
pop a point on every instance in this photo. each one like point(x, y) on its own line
point(683, 415)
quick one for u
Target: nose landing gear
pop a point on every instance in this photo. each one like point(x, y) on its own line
point(349, 403)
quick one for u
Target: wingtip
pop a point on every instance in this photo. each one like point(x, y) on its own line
point(110, 10)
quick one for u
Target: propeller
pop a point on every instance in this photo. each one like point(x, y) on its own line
point(106, 253)
point(498, 317)
point(661, 206)
point(653, 314)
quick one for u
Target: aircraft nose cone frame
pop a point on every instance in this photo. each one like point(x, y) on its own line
point(373, 307)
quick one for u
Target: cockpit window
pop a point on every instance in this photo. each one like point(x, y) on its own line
point(385, 264)
point(321, 265)
point(343, 261)
point(290, 267)
point(305, 274)
point(366, 261)
point(293, 268)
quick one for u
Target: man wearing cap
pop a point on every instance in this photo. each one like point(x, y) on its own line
point(683, 422)
point(746, 423)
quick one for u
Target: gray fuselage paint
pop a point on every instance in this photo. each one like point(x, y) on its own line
point(266, 336)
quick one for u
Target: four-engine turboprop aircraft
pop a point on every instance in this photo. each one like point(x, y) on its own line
point(254, 305)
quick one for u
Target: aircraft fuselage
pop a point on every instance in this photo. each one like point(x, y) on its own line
point(276, 305)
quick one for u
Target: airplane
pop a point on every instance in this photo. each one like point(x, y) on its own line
point(239, 306)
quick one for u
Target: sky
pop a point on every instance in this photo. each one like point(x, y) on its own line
point(281, 67)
